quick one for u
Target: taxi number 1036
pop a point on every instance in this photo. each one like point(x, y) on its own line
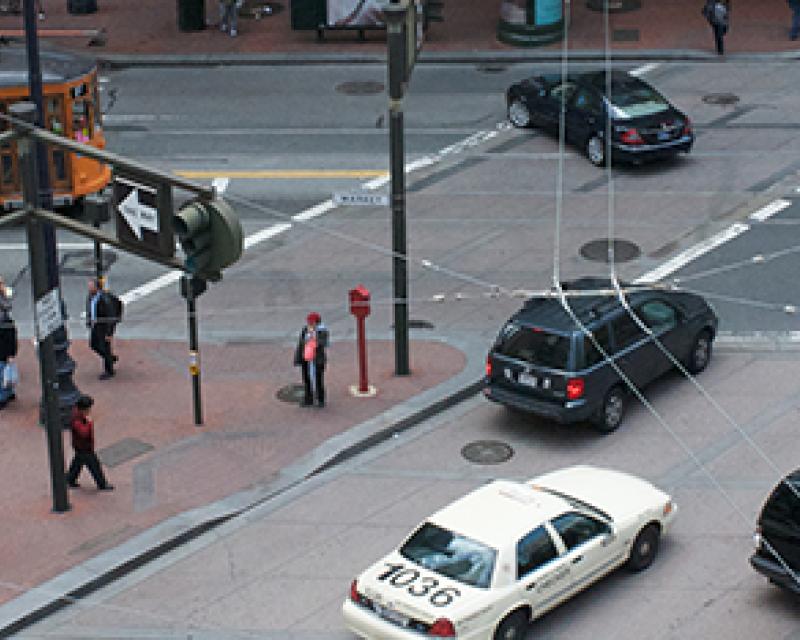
point(400, 576)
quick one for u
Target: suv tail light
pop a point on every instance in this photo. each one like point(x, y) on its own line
point(631, 136)
point(355, 596)
point(575, 388)
point(687, 128)
point(442, 628)
point(489, 366)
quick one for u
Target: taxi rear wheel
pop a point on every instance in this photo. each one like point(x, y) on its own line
point(644, 549)
point(513, 627)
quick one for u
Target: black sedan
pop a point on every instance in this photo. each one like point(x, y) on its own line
point(642, 123)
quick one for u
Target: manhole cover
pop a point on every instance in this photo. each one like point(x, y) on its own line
point(360, 88)
point(259, 9)
point(721, 98)
point(81, 262)
point(614, 6)
point(487, 452)
point(492, 68)
point(597, 250)
point(122, 451)
point(291, 393)
point(625, 35)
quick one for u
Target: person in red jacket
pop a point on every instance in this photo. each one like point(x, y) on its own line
point(83, 444)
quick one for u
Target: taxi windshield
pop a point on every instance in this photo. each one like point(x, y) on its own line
point(451, 554)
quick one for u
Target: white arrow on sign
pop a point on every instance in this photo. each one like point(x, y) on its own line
point(138, 215)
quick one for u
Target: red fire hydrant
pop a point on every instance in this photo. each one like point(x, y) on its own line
point(359, 307)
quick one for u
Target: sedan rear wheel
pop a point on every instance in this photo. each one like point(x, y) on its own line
point(610, 415)
point(518, 114)
point(596, 150)
point(513, 627)
point(700, 355)
point(644, 548)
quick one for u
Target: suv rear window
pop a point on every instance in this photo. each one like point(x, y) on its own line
point(534, 346)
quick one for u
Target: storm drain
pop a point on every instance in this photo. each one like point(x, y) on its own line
point(81, 262)
point(360, 88)
point(723, 99)
point(491, 68)
point(487, 452)
point(291, 393)
point(122, 451)
point(597, 251)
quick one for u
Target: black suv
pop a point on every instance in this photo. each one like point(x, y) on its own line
point(543, 363)
point(778, 532)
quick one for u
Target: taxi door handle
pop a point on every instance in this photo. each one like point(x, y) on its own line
point(577, 560)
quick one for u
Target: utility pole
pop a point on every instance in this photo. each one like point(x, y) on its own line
point(68, 393)
point(42, 292)
point(396, 18)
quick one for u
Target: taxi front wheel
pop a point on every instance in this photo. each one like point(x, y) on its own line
point(513, 627)
point(644, 548)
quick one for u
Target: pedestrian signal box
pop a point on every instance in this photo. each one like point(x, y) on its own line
point(211, 237)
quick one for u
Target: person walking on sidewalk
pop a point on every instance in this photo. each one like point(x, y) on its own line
point(8, 351)
point(311, 358)
point(717, 12)
point(229, 14)
point(794, 5)
point(82, 428)
point(100, 321)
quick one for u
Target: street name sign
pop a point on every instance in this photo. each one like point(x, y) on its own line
point(48, 314)
point(362, 199)
point(144, 214)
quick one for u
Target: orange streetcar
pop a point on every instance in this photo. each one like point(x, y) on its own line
point(71, 109)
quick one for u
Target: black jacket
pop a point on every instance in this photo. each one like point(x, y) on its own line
point(320, 357)
point(8, 338)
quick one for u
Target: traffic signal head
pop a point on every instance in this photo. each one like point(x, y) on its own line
point(211, 237)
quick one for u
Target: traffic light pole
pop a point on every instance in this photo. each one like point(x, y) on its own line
point(37, 248)
point(395, 19)
point(191, 289)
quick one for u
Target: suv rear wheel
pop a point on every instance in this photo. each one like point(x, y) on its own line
point(609, 417)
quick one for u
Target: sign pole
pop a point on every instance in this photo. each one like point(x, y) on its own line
point(191, 288)
point(26, 150)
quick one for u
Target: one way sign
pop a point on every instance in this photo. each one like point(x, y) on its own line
point(144, 215)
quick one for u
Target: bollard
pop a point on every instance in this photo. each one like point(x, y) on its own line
point(359, 307)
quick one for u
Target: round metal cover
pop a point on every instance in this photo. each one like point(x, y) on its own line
point(487, 452)
point(597, 250)
point(360, 88)
point(721, 98)
point(291, 393)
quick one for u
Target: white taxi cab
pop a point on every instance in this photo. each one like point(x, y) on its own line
point(487, 564)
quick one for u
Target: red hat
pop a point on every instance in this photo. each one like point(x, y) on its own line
point(313, 318)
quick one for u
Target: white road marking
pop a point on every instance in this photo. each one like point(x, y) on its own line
point(220, 185)
point(647, 68)
point(692, 253)
point(67, 246)
point(770, 210)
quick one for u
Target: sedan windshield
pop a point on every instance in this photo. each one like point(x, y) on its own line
point(451, 555)
point(632, 101)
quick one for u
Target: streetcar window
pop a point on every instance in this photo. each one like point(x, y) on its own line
point(81, 121)
point(8, 169)
point(60, 165)
point(80, 90)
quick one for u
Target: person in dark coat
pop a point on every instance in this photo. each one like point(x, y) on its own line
point(717, 12)
point(82, 428)
point(311, 358)
point(794, 5)
point(100, 321)
point(8, 351)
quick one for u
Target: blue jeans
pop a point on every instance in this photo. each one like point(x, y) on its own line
point(228, 14)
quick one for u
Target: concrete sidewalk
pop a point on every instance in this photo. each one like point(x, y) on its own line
point(146, 32)
point(174, 480)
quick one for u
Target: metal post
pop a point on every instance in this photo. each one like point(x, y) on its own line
point(41, 286)
point(361, 330)
point(397, 62)
point(98, 256)
point(68, 393)
point(190, 289)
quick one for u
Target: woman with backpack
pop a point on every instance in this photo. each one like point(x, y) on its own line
point(717, 12)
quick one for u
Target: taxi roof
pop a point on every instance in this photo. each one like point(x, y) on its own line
point(500, 511)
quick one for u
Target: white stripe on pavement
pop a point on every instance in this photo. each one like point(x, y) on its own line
point(770, 210)
point(23, 246)
point(647, 68)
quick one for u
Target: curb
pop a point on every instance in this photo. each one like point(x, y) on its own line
point(71, 586)
point(122, 60)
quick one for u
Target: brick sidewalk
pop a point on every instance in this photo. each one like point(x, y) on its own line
point(161, 463)
point(675, 25)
